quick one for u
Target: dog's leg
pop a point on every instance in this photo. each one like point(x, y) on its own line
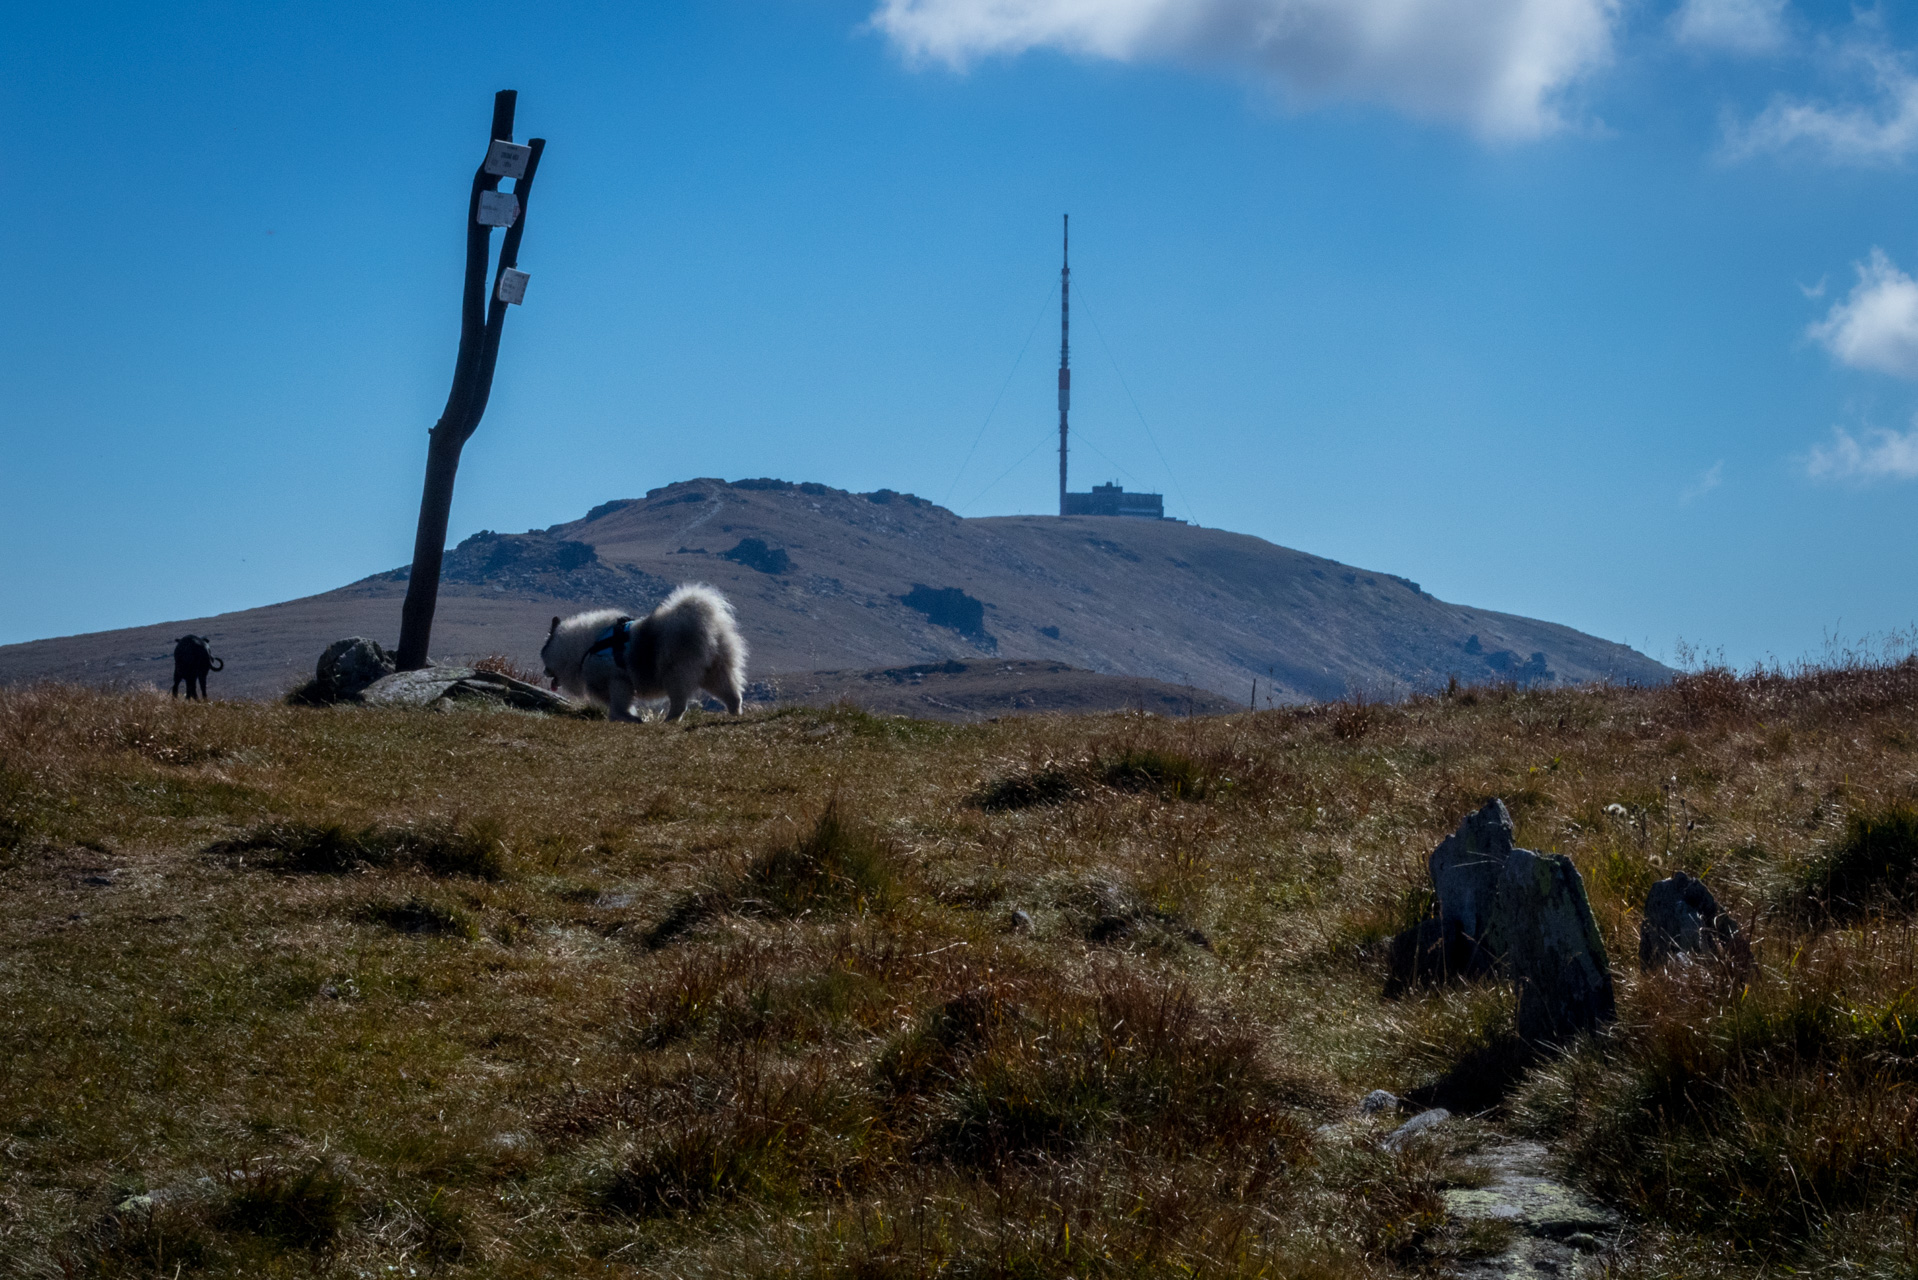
point(675, 706)
point(176, 686)
point(619, 699)
point(719, 682)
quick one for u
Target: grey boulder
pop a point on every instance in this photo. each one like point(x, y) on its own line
point(1543, 925)
point(1422, 1123)
point(1683, 918)
point(350, 665)
point(1465, 870)
point(1456, 941)
point(1512, 911)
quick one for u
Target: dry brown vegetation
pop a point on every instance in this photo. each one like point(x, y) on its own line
point(336, 991)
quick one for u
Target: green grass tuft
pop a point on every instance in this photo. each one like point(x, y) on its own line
point(305, 1210)
point(1172, 774)
point(1027, 789)
point(838, 864)
point(1873, 867)
point(1761, 1113)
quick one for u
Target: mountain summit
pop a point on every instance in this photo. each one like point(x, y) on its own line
point(824, 579)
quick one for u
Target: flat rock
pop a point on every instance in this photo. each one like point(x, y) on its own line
point(443, 687)
point(1554, 1224)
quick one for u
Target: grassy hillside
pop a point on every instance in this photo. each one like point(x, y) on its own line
point(351, 992)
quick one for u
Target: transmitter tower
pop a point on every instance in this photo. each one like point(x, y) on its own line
point(1065, 350)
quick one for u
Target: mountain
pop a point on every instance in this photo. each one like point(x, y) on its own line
point(827, 580)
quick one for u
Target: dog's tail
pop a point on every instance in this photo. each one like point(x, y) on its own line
point(715, 610)
point(717, 626)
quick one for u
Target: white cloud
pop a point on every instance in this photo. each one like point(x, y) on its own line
point(1888, 455)
point(1876, 326)
point(1881, 130)
point(1713, 476)
point(1735, 26)
point(1499, 66)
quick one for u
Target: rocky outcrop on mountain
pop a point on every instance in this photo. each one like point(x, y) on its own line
point(537, 563)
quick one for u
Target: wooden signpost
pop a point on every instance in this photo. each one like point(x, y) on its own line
point(482, 316)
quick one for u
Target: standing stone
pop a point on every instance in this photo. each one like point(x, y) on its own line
point(1465, 871)
point(1682, 918)
point(1449, 944)
point(1542, 924)
point(350, 665)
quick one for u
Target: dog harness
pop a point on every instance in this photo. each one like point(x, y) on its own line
point(612, 640)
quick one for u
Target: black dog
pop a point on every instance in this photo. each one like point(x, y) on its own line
point(192, 659)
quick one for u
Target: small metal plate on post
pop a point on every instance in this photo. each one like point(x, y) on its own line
point(512, 286)
point(498, 209)
point(507, 159)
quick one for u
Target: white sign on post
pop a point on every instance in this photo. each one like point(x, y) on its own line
point(512, 285)
point(507, 159)
point(498, 209)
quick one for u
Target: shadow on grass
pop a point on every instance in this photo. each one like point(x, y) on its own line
point(1482, 1078)
point(416, 915)
point(1162, 771)
point(472, 849)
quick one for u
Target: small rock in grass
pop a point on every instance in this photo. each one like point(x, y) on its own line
point(1423, 1122)
point(1381, 1100)
point(1020, 921)
point(350, 665)
point(1683, 918)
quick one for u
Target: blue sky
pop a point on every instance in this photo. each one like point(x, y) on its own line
point(1598, 313)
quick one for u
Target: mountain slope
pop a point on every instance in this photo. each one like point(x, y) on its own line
point(825, 579)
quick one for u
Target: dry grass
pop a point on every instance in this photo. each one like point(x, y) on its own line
point(485, 993)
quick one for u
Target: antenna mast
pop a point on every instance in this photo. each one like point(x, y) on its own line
point(1065, 350)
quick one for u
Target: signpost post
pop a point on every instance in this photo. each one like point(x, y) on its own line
point(482, 316)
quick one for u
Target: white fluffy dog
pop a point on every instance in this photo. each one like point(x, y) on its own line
point(689, 643)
